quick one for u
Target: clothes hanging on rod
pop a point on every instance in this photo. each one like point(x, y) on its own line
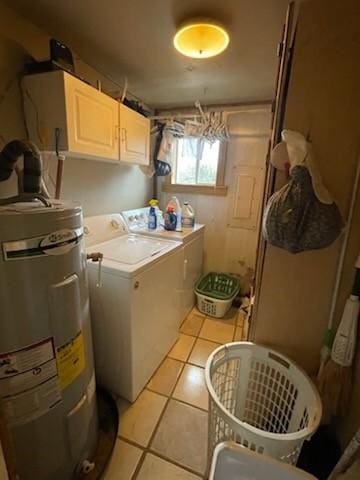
point(174, 128)
point(160, 156)
point(227, 110)
point(209, 126)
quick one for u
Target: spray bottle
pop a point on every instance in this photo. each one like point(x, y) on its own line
point(152, 219)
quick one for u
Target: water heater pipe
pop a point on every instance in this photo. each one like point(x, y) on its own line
point(9, 156)
point(59, 175)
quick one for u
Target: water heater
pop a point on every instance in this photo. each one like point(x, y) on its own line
point(47, 382)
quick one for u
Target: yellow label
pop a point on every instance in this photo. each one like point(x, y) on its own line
point(70, 359)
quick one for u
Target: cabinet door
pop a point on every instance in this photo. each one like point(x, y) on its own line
point(92, 121)
point(134, 137)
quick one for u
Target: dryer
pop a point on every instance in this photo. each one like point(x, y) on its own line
point(135, 310)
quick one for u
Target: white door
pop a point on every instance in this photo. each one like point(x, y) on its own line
point(92, 121)
point(134, 137)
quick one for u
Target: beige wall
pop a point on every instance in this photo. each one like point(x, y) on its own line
point(323, 101)
point(99, 187)
point(230, 244)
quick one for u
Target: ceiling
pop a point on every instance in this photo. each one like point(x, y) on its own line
point(133, 38)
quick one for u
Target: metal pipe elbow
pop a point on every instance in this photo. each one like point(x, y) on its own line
point(10, 155)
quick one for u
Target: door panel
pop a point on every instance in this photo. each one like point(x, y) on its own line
point(93, 120)
point(245, 197)
point(135, 137)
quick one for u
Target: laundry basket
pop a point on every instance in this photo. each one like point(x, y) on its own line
point(215, 293)
point(260, 399)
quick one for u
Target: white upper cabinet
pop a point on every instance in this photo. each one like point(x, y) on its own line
point(66, 113)
point(134, 137)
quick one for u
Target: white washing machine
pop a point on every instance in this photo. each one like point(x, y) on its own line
point(193, 250)
point(135, 308)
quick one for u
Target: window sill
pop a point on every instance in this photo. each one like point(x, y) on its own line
point(218, 190)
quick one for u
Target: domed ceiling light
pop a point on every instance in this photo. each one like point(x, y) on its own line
point(201, 39)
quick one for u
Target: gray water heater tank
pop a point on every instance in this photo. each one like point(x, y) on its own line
point(47, 382)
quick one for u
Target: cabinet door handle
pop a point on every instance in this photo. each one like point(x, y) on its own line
point(123, 134)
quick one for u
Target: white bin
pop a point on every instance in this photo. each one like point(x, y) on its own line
point(234, 462)
point(213, 307)
point(260, 399)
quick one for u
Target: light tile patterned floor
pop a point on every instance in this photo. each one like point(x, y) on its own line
point(165, 378)
point(182, 348)
point(163, 435)
point(216, 331)
point(201, 351)
point(124, 461)
point(191, 387)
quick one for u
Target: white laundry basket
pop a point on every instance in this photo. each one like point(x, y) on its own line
point(213, 307)
point(215, 293)
point(260, 399)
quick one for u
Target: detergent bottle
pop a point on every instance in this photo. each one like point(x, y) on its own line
point(170, 219)
point(175, 204)
point(152, 219)
point(187, 216)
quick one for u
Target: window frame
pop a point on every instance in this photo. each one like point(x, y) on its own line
point(219, 189)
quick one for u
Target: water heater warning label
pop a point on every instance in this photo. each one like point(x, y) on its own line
point(70, 359)
point(29, 382)
point(19, 361)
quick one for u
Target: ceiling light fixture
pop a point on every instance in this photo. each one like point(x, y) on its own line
point(201, 39)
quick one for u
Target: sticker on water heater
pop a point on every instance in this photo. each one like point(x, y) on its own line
point(29, 382)
point(29, 405)
point(25, 359)
point(25, 381)
point(70, 359)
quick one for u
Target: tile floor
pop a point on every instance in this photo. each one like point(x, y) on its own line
point(163, 435)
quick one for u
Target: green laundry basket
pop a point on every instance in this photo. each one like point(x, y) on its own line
point(215, 293)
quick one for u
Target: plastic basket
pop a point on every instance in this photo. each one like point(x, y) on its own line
point(215, 293)
point(218, 285)
point(260, 399)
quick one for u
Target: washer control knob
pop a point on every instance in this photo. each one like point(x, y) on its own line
point(115, 223)
point(136, 217)
point(131, 218)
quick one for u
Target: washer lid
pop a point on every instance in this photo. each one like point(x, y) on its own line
point(133, 249)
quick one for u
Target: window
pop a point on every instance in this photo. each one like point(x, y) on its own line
point(197, 166)
point(196, 161)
